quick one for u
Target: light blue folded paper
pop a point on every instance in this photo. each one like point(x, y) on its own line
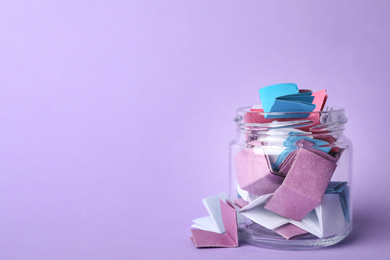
point(303, 97)
point(291, 146)
point(286, 98)
point(291, 106)
point(269, 94)
point(341, 188)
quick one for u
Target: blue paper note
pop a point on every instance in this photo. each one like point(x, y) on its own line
point(342, 189)
point(286, 98)
point(291, 106)
point(335, 187)
point(304, 97)
point(269, 94)
point(291, 146)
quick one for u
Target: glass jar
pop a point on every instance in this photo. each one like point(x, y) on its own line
point(290, 177)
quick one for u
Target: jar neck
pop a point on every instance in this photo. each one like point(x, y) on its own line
point(321, 124)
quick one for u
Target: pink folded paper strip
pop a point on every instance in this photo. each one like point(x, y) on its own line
point(304, 185)
point(289, 231)
point(320, 98)
point(253, 174)
point(203, 238)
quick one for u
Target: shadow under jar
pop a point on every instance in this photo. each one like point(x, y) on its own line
point(290, 175)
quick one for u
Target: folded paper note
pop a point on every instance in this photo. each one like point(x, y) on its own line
point(286, 98)
point(342, 189)
point(331, 216)
point(281, 105)
point(241, 203)
point(245, 195)
point(256, 212)
point(257, 117)
point(203, 238)
point(253, 174)
point(272, 143)
point(213, 222)
point(320, 98)
point(295, 141)
point(269, 94)
point(290, 159)
point(304, 186)
point(318, 222)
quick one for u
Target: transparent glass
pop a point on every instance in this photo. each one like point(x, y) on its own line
point(263, 184)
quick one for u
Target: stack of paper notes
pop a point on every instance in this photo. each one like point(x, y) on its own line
point(284, 176)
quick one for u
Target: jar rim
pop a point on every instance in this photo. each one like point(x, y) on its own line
point(328, 110)
point(331, 119)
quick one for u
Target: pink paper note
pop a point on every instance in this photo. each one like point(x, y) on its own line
point(289, 231)
point(287, 163)
point(304, 185)
point(256, 115)
point(241, 203)
point(253, 174)
point(320, 98)
point(203, 238)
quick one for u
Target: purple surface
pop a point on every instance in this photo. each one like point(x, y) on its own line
point(116, 117)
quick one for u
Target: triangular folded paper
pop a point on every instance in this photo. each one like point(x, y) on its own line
point(304, 186)
point(202, 238)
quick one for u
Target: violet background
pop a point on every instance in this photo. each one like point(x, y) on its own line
point(116, 117)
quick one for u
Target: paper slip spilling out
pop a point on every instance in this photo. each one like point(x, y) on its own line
point(203, 238)
point(214, 222)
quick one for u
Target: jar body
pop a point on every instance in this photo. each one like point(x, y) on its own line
point(291, 179)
